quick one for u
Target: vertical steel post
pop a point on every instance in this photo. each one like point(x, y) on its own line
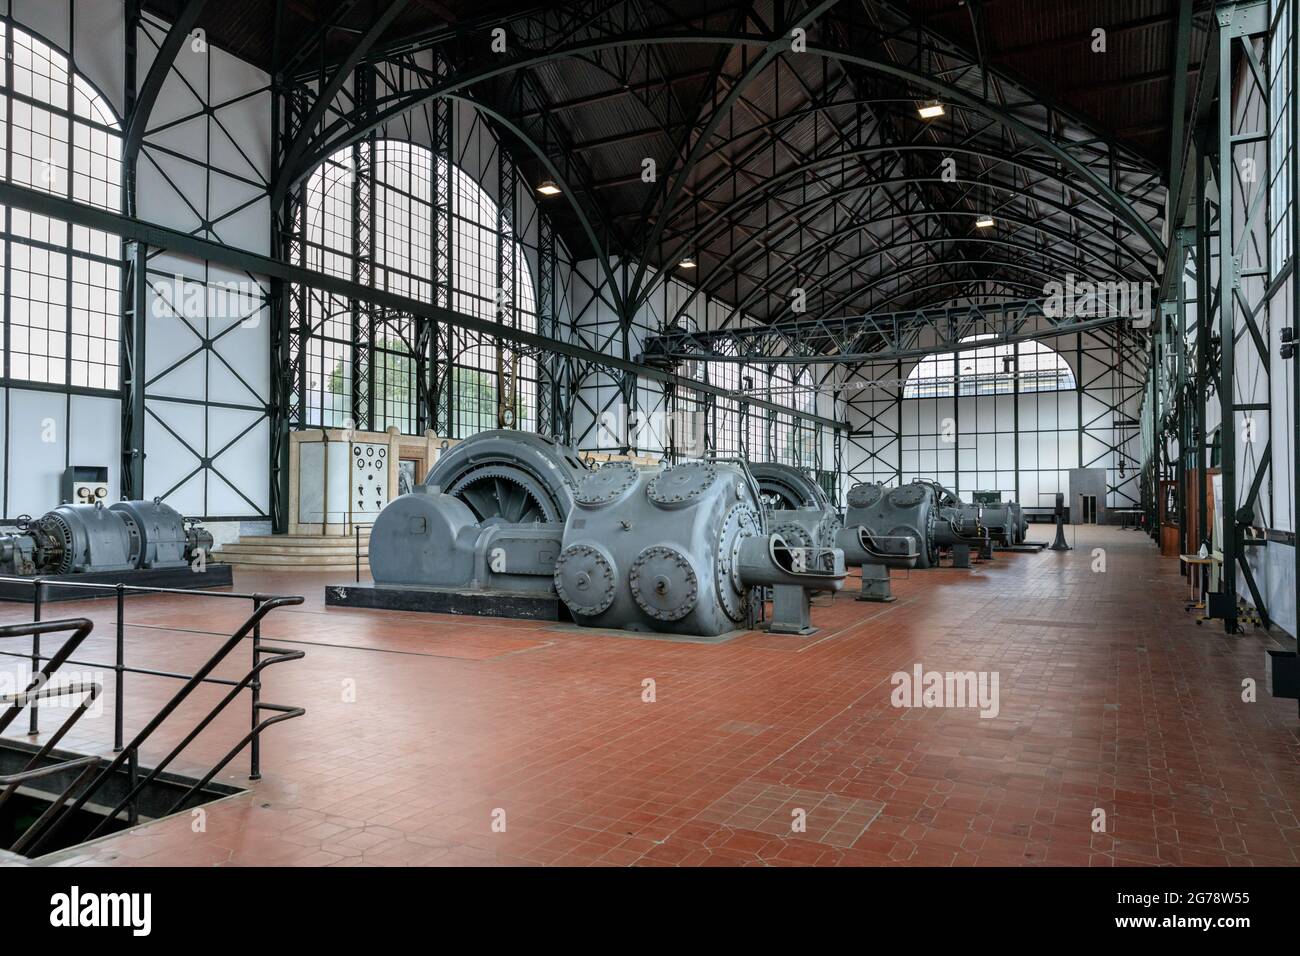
point(33, 720)
point(119, 668)
point(255, 689)
point(1228, 282)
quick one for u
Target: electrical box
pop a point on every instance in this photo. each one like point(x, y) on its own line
point(84, 485)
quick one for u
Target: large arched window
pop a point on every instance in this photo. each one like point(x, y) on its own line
point(383, 235)
point(994, 369)
point(63, 282)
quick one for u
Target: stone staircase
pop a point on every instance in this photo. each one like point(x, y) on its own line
point(295, 552)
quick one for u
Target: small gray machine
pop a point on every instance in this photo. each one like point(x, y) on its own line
point(139, 543)
point(959, 526)
point(1006, 522)
point(874, 554)
point(799, 511)
point(681, 551)
point(129, 535)
point(510, 477)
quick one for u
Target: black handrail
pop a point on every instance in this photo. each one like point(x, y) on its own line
point(36, 691)
point(281, 656)
point(132, 749)
point(60, 811)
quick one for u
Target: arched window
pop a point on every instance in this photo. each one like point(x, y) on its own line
point(383, 235)
point(993, 369)
point(63, 282)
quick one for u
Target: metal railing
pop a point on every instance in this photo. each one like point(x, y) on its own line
point(128, 753)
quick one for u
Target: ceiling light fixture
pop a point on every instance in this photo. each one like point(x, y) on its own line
point(984, 222)
point(549, 188)
point(930, 110)
point(687, 263)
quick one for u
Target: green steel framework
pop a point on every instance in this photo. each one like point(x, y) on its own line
point(1215, 247)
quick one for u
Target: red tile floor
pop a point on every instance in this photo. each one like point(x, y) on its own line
point(421, 730)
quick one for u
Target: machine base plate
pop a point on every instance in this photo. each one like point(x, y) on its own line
point(522, 605)
point(214, 575)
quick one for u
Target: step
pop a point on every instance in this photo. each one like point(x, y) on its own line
point(302, 539)
point(343, 573)
point(277, 548)
point(291, 561)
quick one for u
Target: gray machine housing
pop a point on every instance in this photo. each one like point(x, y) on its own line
point(1006, 522)
point(959, 525)
point(801, 513)
point(430, 539)
point(908, 511)
point(129, 535)
point(681, 551)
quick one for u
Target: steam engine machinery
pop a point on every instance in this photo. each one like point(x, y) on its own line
point(142, 542)
point(801, 513)
point(1006, 522)
point(681, 551)
point(678, 551)
point(960, 525)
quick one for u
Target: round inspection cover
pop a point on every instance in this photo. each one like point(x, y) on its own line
point(682, 483)
point(607, 483)
point(908, 496)
point(584, 579)
point(864, 495)
point(663, 583)
point(740, 523)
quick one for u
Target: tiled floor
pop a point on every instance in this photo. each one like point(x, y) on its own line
point(425, 733)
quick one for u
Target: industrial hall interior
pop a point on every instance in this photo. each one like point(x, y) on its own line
point(675, 433)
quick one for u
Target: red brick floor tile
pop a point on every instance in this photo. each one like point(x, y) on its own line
point(1111, 699)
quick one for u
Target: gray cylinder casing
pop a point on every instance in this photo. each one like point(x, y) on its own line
point(164, 539)
point(957, 522)
point(907, 511)
point(667, 551)
point(1001, 521)
point(1019, 523)
point(510, 477)
point(813, 526)
point(430, 539)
